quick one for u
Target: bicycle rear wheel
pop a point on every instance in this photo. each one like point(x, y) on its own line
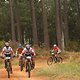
point(50, 60)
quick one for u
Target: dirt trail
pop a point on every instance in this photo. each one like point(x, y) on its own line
point(18, 75)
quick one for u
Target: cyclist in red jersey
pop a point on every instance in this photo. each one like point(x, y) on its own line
point(56, 49)
point(19, 51)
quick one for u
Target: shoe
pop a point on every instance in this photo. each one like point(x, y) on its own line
point(11, 72)
point(26, 70)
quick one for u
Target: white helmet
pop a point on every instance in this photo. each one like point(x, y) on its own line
point(27, 46)
point(7, 44)
point(54, 45)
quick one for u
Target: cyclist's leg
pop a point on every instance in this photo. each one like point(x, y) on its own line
point(5, 64)
point(23, 61)
point(11, 67)
point(20, 59)
point(26, 65)
point(56, 56)
point(33, 62)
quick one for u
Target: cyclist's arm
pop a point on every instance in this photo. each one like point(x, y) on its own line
point(12, 52)
point(23, 52)
point(33, 52)
point(16, 51)
point(59, 51)
point(2, 51)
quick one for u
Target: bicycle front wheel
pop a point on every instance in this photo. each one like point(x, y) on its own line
point(29, 69)
point(60, 59)
point(8, 70)
point(21, 65)
point(50, 61)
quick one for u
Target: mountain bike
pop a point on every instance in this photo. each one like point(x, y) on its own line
point(28, 64)
point(21, 63)
point(8, 64)
point(54, 58)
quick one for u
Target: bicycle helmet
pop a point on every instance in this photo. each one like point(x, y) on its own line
point(54, 45)
point(19, 45)
point(7, 44)
point(27, 46)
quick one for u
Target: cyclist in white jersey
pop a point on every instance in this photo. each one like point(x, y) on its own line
point(7, 50)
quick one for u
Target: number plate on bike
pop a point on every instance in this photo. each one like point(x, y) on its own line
point(28, 57)
point(8, 57)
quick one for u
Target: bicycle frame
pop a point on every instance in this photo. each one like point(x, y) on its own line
point(28, 64)
point(8, 65)
point(54, 58)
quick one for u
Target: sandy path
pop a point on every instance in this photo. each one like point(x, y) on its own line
point(18, 75)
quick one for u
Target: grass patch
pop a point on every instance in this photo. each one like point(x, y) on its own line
point(15, 61)
point(67, 70)
point(1, 63)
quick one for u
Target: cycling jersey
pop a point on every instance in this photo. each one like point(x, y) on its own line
point(26, 51)
point(56, 49)
point(6, 50)
point(19, 50)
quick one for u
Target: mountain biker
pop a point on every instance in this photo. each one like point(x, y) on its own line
point(19, 50)
point(7, 51)
point(56, 50)
point(29, 50)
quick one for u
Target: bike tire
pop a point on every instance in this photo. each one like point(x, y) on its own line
point(29, 69)
point(8, 70)
point(50, 60)
point(21, 66)
point(60, 59)
point(8, 74)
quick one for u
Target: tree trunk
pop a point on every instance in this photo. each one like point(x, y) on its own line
point(78, 18)
point(12, 20)
point(66, 22)
point(45, 24)
point(58, 23)
point(78, 10)
point(34, 27)
point(17, 18)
